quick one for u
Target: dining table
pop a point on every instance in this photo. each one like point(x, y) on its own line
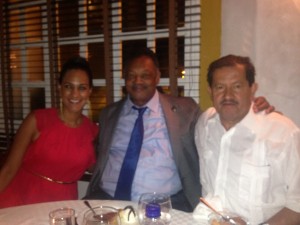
point(38, 214)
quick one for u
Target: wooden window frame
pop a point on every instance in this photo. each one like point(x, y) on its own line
point(113, 80)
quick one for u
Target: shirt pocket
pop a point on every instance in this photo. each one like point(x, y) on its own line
point(254, 184)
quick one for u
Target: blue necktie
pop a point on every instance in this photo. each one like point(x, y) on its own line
point(123, 189)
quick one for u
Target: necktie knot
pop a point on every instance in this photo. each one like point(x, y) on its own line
point(140, 110)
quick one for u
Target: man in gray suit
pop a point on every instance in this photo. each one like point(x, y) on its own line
point(168, 160)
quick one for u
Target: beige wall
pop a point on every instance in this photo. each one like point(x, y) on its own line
point(269, 32)
point(210, 43)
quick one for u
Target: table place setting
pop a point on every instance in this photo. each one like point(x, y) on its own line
point(206, 213)
point(44, 213)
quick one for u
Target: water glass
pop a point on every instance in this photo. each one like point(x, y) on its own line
point(62, 216)
point(162, 199)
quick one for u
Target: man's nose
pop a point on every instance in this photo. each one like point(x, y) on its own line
point(228, 93)
point(138, 79)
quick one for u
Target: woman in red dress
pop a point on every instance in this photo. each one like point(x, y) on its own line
point(53, 147)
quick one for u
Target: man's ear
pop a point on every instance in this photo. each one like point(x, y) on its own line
point(157, 76)
point(254, 89)
point(209, 92)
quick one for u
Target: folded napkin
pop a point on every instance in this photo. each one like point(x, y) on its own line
point(201, 212)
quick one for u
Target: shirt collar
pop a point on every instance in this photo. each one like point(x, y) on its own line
point(153, 104)
point(250, 119)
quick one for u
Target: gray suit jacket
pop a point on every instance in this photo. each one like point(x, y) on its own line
point(181, 114)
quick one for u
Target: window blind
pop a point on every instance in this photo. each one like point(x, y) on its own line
point(38, 36)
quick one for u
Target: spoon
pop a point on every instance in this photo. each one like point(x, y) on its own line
point(226, 218)
point(91, 208)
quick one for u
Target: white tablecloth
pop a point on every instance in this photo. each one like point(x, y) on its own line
point(37, 214)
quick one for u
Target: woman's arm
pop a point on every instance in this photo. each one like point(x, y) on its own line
point(24, 136)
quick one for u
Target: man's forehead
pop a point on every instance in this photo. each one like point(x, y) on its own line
point(141, 64)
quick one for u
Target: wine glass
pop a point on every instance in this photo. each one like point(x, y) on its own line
point(102, 215)
point(158, 198)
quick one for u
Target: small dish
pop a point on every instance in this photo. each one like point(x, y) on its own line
point(101, 215)
point(126, 215)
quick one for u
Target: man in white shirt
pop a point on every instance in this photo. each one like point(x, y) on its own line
point(249, 163)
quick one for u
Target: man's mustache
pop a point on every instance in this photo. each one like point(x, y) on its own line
point(138, 86)
point(231, 102)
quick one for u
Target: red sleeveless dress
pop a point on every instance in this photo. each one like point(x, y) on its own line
point(60, 153)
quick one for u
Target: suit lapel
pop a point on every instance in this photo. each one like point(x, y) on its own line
point(172, 118)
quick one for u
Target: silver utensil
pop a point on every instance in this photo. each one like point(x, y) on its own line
point(91, 208)
point(225, 218)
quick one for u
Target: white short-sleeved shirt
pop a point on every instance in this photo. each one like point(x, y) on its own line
point(254, 167)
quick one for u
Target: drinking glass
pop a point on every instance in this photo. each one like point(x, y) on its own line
point(102, 215)
point(162, 199)
point(62, 216)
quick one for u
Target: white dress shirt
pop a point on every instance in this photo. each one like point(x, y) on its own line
point(156, 169)
point(254, 167)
